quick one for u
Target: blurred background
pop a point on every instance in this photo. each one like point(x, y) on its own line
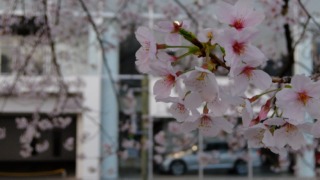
point(74, 106)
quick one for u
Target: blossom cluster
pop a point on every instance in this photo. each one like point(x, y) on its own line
point(199, 102)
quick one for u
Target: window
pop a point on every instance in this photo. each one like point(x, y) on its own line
point(216, 146)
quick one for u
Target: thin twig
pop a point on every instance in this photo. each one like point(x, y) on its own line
point(100, 42)
point(188, 13)
point(308, 14)
point(63, 86)
point(305, 25)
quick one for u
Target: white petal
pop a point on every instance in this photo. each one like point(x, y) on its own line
point(299, 82)
point(223, 12)
point(280, 137)
point(241, 83)
point(143, 34)
point(162, 88)
point(223, 124)
point(274, 121)
point(193, 100)
point(165, 26)
point(316, 129)
point(261, 79)
point(253, 52)
point(268, 139)
point(189, 126)
point(173, 39)
point(179, 112)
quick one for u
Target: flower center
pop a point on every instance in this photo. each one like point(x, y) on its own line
point(210, 35)
point(238, 47)
point(146, 45)
point(181, 108)
point(248, 71)
point(303, 97)
point(290, 127)
point(238, 24)
point(170, 78)
point(205, 121)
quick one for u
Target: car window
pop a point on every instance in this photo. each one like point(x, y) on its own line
point(216, 147)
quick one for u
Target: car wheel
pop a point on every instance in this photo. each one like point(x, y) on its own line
point(241, 167)
point(178, 168)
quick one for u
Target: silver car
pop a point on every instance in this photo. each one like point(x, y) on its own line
point(180, 162)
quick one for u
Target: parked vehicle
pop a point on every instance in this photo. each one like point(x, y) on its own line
point(180, 162)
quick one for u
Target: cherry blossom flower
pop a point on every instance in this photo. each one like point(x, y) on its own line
point(244, 74)
point(3, 133)
point(172, 28)
point(69, 144)
point(158, 158)
point(127, 143)
point(203, 81)
point(239, 16)
point(148, 50)
point(160, 138)
point(42, 147)
point(45, 124)
point(178, 108)
point(259, 136)
point(238, 47)
point(26, 151)
point(288, 133)
point(302, 98)
point(218, 106)
point(62, 122)
point(174, 127)
point(179, 111)
point(207, 124)
point(22, 123)
point(160, 149)
point(124, 154)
